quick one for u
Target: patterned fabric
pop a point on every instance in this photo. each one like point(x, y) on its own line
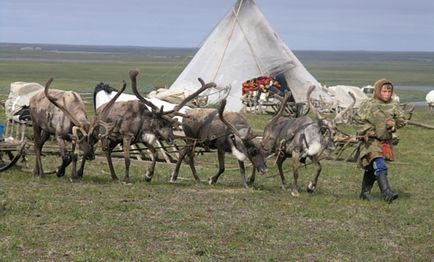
point(261, 83)
point(371, 120)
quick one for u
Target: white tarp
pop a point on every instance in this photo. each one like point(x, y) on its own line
point(244, 46)
point(19, 96)
point(343, 99)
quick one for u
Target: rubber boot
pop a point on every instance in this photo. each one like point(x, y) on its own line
point(383, 184)
point(367, 183)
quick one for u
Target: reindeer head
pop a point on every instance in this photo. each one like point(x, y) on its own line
point(244, 142)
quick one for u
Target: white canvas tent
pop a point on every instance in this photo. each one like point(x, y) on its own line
point(241, 47)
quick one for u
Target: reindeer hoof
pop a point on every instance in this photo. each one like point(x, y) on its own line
point(173, 178)
point(311, 187)
point(59, 173)
point(75, 178)
point(211, 181)
point(147, 176)
point(126, 181)
point(295, 193)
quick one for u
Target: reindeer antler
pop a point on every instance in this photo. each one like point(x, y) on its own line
point(192, 96)
point(339, 117)
point(155, 109)
point(229, 125)
point(107, 106)
point(311, 106)
point(281, 108)
point(133, 77)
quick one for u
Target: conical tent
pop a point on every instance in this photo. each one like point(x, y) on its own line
point(241, 47)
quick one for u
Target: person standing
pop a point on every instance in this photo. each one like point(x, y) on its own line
point(377, 120)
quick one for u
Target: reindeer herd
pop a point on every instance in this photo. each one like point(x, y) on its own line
point(128, 120)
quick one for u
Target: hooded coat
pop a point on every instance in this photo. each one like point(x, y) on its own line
point(371, 123)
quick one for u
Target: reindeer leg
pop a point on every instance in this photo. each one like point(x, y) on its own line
point(108, 155)
point(295, 166)
point(40, 138)
point(190, 155)
point(66, 158)
point(150, 173)
point(312, 185)
point(175, 173)
point(280, 159)
point(126, 146)
point(252, 177)
point(243, 173)
point(74, 159)
point(81, 170)
point(221, 157)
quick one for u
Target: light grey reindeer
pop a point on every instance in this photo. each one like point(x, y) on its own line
point(300, 138)
point(228, 132)
point(131, 122)
point(62, 114)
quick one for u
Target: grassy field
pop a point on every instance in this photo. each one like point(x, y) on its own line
point(96, 219)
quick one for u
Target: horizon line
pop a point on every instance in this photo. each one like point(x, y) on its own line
point(174, 47)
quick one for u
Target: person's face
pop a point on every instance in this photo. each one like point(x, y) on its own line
point(386, 92)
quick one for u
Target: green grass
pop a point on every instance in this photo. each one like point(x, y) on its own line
point(97, 219)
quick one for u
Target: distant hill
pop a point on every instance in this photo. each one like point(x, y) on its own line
point(33, 51)
point(43, 51)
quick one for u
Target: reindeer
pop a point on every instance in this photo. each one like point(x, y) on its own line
point(224, 131)
point(62, 114)
point(131, 122)
point(300, 138)
point(430, 100)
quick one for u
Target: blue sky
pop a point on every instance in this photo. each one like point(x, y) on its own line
point(373, 25)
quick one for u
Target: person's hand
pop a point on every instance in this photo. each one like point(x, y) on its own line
point(367, 136)
point(390, 124)
point(371, 133)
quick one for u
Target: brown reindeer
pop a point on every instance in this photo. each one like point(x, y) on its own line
point(62, 114)
point(300, 138)
point(131, 122)
point(224, 131)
